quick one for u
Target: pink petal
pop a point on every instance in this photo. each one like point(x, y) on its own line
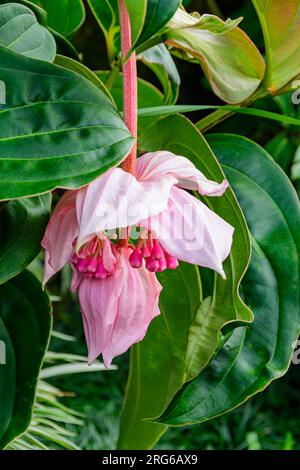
point(99, 300)
point(60, 233)
point(117, 199)
point(191, 232)
point(161, 164)
point(137, 306)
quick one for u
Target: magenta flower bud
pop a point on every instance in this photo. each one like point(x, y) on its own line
point(172, 263)
point(162, 265)
point(93, 265)
point(146, 252)
point(157, 251)
point(136, 259)
point(101, 272)
point(82, 265)
point(152, 265)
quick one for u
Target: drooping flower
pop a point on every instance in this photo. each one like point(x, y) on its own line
point(118, 231)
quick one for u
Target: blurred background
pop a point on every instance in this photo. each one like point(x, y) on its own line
point(269, 420)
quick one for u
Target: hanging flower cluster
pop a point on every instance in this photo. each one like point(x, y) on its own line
point(120, 230)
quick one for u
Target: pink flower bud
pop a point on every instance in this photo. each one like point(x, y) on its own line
point(172, 263)
point(136, 259)
point(157, 251)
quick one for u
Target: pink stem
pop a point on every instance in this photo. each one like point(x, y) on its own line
point(129, 86)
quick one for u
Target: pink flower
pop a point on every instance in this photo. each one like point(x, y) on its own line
point(115, 277)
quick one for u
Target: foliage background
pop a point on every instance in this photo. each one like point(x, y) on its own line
point(269, 420)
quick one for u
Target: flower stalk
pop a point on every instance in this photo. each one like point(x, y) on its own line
point(129, 85)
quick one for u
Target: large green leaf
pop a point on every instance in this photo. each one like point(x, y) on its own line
point(170, 342)
point(64, 16)
point(178, 135)
point(22, 226)
point(21, 32)
point(56, 130)
point(40, 14)
point(160, 61)
point(80, 68)
point(280, 23)
point(157, 364)
point(230, 60)
point(25, 323)
point(253, 356)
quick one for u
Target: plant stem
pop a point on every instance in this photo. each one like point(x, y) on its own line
point(129, 85)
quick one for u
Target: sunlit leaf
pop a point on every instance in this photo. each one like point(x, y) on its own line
point(280, 23)
point(230, 60)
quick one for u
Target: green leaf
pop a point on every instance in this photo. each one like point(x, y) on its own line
point(21, 32)
point(157, 364)
point(75, 66)
point(228, 57)
point(159, 12)
point(253, 356)
point(295, 170)
point(182, 108)
point(160, 61)
point(148, 95)
point(40, 14)
point(64, 16)
point(137, 12)
point(280, 22)
point(282, 149)
point(178, 135)
point(22, 226)
point(25, 324)
point(107, 15)
point(169, 344)
point(56, 130)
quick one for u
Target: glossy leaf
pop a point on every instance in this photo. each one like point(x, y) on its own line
point(157, 364)
point(280, 23)
point(159, 12)
point(25, 324)
point(282, 149)
point(64, 16)
point(254, 356)
point(75, 66)
point(56, 130)
point(39, 12)
point(168, 345)
point(22, 226)
point(21, 32)
point(159, 60)
point(228, 57)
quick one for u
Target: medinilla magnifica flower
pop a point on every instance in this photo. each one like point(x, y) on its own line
point(120, 230)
